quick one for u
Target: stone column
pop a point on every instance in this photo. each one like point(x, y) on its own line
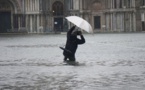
point(111, 27)
point(130, 14)
point(29, 9)
point(38, 30)
point(106, 20)
point(31, 5)
point(19, 23)
point(80, 4)
point(111, 4)
point(31, 29)
point(121, 22)
point(142, 17)
point(114, 22)
point(26, 5)
point(26, 23)
point(72, 2)
point(28, 2)
point(38, 5)
point(134, 22)
point(35, 23)
point(35, 5)
point(12, 21)
point(122, 3)
point(125, 28)
point(143, 21)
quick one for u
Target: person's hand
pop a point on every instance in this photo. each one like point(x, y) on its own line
point(79, 33)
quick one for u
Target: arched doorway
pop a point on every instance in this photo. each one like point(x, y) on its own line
point(7, 10)
point(57, 9)
point(96, 7)
point(5, 16)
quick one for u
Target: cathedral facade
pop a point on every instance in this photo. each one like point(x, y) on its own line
point(45, 16)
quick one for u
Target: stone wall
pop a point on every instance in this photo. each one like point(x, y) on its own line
point(39, 16)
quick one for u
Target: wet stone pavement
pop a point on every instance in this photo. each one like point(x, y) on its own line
point(107, 62)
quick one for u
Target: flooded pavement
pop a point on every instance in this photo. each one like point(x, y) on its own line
point(107, 62)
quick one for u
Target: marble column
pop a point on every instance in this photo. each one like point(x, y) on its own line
point(26, 22)
point(134, 22)
point(12, 21)
point(38, 5)
point(31, 5)
point(142, 17)
point(31, 29)
point(38, 30)
point(26, 5)
point(28, 2)
point(114, 22)
point(111, 3)
point(111, 27)
point(122, 22)
point(122, 3)
point(108, 22)
point(19, 23)
point(80, 4)
point(34, 5)
point(35, 23)
point(130, 15)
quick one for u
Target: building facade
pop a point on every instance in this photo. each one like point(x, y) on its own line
point(45, 16)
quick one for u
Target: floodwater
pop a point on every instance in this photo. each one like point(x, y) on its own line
point(107, 62)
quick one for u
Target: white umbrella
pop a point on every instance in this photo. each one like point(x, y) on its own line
point(81, 23)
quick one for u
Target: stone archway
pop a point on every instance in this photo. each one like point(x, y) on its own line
point(13, 4)
point(96, 6)
point(16, 6)
point(7, 9)
point(58, 9)
point(5, 6)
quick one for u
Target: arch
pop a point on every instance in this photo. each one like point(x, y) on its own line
point(57, 8)
point(96, 5)
point(5, 6)
point(15, 5)
point(7, 9)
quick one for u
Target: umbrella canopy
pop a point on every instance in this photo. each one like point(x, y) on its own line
point(81, 23)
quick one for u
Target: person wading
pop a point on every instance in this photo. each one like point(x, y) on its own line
point(72, 44)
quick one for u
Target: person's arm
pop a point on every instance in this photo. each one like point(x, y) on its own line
point(82, 40)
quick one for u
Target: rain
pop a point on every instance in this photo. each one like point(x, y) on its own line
point(106, 62)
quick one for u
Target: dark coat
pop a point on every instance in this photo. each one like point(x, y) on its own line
point(72, 43)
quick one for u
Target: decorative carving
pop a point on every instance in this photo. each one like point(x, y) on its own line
point(4, 6)
point(16, 4)
point(96, 6)
point(7, 5)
